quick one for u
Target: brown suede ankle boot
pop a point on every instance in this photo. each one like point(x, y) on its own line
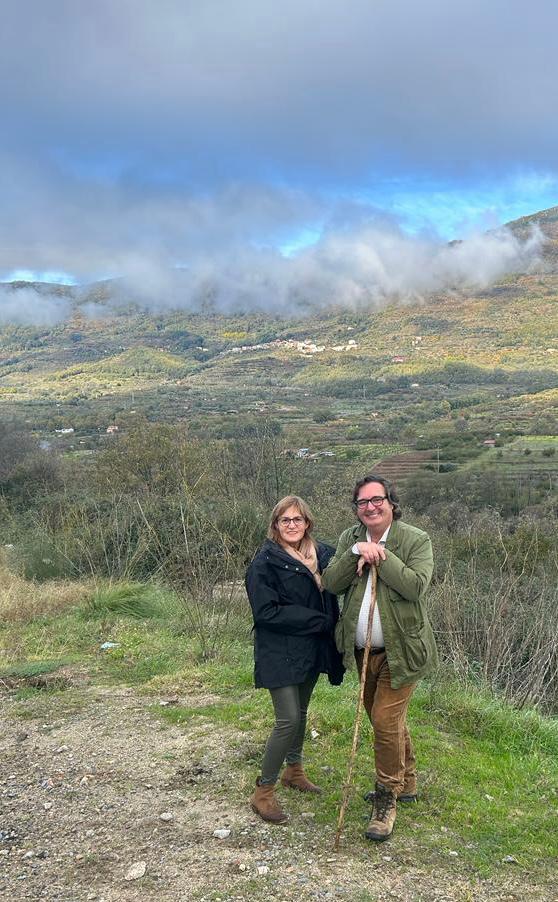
point(294, 776)
point(264, 802)
point(383, 814)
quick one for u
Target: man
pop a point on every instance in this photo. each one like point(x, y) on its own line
point(403, 648)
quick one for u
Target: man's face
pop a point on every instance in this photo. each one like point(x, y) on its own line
point(376, 516)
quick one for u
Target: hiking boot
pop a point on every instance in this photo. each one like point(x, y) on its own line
point(407, 794)
point(381, 823)
point(295, 778)
point(264, 802)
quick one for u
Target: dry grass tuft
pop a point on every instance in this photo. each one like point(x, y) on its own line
point(61, 677)
point(21, 600)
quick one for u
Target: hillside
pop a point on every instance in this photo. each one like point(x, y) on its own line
point(479, 365)
point(547, 222)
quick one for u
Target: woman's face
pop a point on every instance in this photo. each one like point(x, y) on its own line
point(292, 526)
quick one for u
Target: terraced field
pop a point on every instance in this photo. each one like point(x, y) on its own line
point(399, 467)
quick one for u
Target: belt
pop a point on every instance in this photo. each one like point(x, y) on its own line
point(373, 651)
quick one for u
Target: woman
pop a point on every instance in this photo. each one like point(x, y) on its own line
point(293, 628)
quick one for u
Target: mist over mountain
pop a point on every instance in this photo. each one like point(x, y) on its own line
point(358, 266)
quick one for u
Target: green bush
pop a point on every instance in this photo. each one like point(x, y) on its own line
point(37, 558)
point(130, 600)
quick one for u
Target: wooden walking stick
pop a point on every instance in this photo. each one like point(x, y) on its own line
point(358, 715)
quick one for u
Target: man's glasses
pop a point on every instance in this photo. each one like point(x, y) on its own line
point(296, 521)
point(376, 501)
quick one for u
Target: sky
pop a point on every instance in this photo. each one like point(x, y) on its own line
point(308, 148)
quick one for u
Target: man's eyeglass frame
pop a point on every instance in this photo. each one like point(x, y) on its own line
point(376, 501)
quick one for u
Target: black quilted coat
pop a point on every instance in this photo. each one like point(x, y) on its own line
point(293, 620)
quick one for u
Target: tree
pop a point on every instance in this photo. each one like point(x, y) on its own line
point(154, 459)
point(16, 443)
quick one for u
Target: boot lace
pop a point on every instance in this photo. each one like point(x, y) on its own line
point(384, 802)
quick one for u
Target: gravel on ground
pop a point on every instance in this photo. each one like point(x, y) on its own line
point(103, 801)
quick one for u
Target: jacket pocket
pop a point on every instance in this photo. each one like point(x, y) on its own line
point(339, 634)
point(416, 651)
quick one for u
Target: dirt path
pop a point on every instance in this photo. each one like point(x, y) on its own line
point(91, 783)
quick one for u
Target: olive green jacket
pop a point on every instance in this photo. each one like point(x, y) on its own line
point(403, 579)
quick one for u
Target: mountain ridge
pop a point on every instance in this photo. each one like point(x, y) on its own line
point(486, 358)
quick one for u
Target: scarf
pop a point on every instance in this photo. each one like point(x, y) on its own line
point(306, 554)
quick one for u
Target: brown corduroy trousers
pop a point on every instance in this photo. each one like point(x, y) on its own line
point(387, 710)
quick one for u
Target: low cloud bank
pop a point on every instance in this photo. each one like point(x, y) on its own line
point(26, 306)
point(356, 268)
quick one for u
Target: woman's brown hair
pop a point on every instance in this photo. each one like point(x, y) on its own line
point(279, 510)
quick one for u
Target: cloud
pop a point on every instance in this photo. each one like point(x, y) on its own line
point(359, 269)
point(90, 228)
point(26, 306)
point(303, 89)
point(139, 137)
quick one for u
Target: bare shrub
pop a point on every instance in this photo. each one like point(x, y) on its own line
point(206, 571)
point(498, 624)
point(107, 538)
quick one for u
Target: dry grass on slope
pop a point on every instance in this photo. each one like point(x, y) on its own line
point(22, 601)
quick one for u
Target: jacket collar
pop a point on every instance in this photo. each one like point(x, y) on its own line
point(274, 552)
point(393, 539)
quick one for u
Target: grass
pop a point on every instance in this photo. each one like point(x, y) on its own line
point(140, 600)
point(24, 601)
point(31, 669)
point(488, 773)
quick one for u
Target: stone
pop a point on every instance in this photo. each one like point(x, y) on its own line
point(136, 870)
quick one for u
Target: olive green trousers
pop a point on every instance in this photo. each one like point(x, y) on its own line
point(290, 704)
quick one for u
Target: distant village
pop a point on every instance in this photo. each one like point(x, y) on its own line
point(309, 347)
point(303, 347)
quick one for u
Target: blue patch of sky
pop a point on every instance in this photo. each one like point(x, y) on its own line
point(29, 275)
point(303, 238)
point(452, 212)
point(447, 212)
